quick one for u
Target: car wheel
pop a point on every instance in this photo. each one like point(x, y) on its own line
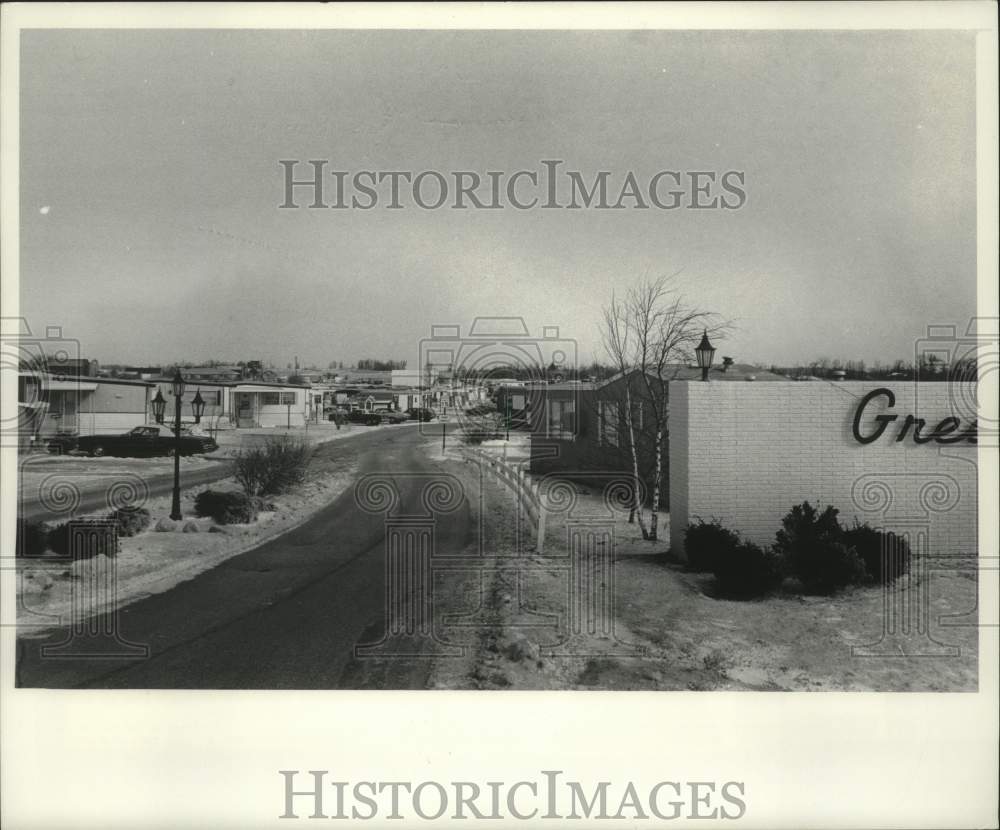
point(97, 451)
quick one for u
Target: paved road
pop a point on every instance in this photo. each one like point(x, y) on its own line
point(285, 615)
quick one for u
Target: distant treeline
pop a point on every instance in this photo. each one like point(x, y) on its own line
point(372, 365)
point(929, 367)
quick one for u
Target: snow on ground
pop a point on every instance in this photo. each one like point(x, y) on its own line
point(231, 440)
point(86, 472)
point(671, 633)
point(153, 562)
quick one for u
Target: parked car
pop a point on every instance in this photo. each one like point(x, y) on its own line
point(394, 417)
point(141, 442)
point(359, 416)
point(418, 413)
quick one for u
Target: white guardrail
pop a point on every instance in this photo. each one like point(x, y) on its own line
point(527, 490)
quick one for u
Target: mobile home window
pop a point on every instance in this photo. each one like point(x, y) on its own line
point(278, 398)
point(562, 419)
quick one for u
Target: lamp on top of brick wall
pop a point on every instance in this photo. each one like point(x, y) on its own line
point(705, 353)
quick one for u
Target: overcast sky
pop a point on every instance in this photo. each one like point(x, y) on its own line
point(150, 184)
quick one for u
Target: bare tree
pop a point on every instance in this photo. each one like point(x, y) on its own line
point(651, 335)
point(619, 343)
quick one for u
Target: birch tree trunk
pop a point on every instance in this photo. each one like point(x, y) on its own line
point(654, 520)
point(636, 504)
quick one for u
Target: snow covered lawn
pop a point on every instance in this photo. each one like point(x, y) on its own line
point(154, 561)
point(671, 632)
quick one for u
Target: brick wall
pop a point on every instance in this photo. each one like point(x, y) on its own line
point(745, 453)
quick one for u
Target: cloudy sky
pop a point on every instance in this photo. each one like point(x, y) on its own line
point(150, 183)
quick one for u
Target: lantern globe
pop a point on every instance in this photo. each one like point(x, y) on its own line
point(198, 406)
point(177, 384)
point(159, 406)
point(705, 352)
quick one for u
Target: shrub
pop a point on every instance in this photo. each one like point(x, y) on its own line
point(130, 520)
point(746, 570)
point(813, 546)
point(226, 507)
point(704, 541)
point(98, 536)
point(831, 566)
point(274, 467)
point(482, 427)
point(870, 544)
point(804, 525)
point(32, 538)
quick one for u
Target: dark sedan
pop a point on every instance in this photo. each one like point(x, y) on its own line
point(141, 442)
point(421, 414)
point(359, 416)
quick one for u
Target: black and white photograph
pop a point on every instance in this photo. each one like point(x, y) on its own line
point(640, 358)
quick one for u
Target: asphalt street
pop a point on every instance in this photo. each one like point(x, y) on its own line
point(287, 614)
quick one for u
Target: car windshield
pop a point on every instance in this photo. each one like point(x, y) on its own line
point(153, 431)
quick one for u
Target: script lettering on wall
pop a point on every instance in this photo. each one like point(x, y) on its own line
point(947, 431)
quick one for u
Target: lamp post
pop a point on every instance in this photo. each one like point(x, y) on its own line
point(159, 406)
point(177, 384)
point(197, 406)
point(705, 352)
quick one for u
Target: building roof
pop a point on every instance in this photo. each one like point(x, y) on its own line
point(257, 386)
point(243, 382)
point(566, 385)
point(210, 370)
point(681, 372)
point(57, 381)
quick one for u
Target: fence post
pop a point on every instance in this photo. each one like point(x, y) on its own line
point(540, 541)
